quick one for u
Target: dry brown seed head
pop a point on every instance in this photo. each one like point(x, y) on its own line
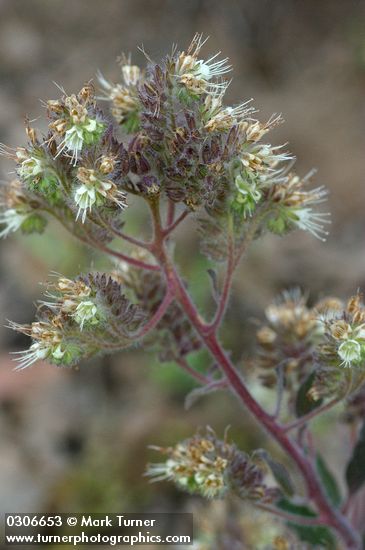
point(31, 134)
point(186, 63)
point(354, 303)
point(55, 106)
point(329, 304)
point(194, 84)
point(59, 126)
point(107, 164)
point(340, 330)
point(266, 335)
point(65, 285)
point(222, 121)
point(86, 94)
point(87, 176)
point(359, 316)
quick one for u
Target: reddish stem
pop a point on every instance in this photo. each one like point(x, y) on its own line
point(170, 213)
point(223, 300)
point(309, 416)
point(156, 317)
point(131, 239)
point(195, 374)
point(328, 515)
point(128, 259)
point(170, 227)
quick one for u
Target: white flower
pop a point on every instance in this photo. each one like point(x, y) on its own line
point(350, 352)
point(247, 195)
point(30, 167)
point(85, 132)
point(85, 198)
point(27, 357)
point(86, 312)
point(74, 140)
point(223, 119)
point(197, 74)
point(131, 74)
point(12, 219)
point(36, 352)
point(211, 68)
point(309, 220)
point(94, 189)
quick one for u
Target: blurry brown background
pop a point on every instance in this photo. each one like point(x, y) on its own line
point(76, 440)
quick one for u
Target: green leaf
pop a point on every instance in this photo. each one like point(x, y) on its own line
point(355, 471)
point(318, 536)
point(304, 404)
point(35, 223)
point(329, 482)
point(279, 472)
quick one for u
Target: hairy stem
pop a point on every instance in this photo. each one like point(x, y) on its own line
point(170, 213)
point(156, 317)
point(223, 300)
point(203, 380)
point(307, 417)
point(91, 242)
point(172, 225)
point(327, 514)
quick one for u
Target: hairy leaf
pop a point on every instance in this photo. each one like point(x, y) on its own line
point(329, 481)
point(318, 536)
point(304, 404)
point(355, 471)
point(279, 472)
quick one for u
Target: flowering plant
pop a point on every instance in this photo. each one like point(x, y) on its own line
point(171, 141)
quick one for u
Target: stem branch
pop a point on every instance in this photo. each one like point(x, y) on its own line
point(156, 317)
point(329, 515)
point(309, 416)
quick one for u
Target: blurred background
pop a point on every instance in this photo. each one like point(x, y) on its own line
point(76, 440)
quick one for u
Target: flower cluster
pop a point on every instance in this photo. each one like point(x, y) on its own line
point(184, 143)
point(289, 336)
point(124, 96)
point(94, 187)
point(199, 75)
point(307, 347)
point(210, 467)
point(53, 185)
point(75, 122)
point(345, 334)
point(73, 299)
point(18, 212)
point(294, 206)
point(80, 318)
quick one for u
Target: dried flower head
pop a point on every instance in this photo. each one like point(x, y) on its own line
point(289, 337)
point(18, 211)
point(211, 467)
point(75, 122)
point(345, 335)
point(80, 318)
point(95, 189)
point(293, 206)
